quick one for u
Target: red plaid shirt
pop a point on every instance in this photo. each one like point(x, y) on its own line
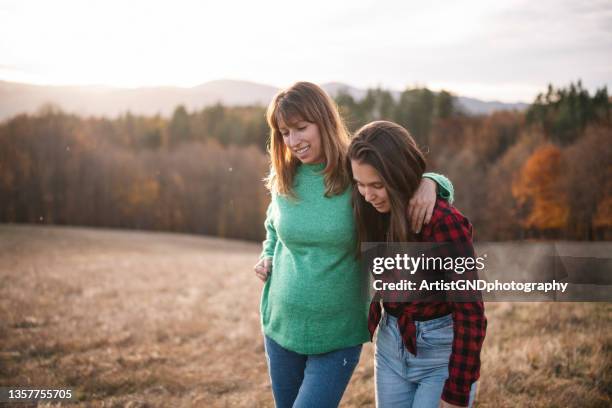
point(469, 321)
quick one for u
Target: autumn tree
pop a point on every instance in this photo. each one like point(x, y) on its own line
point(586, 181)
point(538, 191)
point(511, 177)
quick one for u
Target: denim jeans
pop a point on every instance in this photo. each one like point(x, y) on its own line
point(406, 380)
point(314, 380)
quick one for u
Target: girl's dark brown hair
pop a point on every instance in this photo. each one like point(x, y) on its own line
point(393, 153)
point(307, 101)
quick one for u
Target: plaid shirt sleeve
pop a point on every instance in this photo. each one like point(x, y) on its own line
point(468, 317)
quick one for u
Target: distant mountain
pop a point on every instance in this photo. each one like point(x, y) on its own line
point(334, 88)
point(17, 98)
point(477, 107)
point(107, 101)
point(232, 92)
point(471, 106)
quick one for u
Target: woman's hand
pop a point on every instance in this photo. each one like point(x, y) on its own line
point(422, 204)
point(263, 268)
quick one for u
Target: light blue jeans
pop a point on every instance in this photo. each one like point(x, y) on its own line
point(406, 380)
point(309, 380)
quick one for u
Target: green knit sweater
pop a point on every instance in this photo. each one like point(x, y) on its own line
point(316, 299)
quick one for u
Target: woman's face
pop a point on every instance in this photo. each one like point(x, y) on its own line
point(371, 186)
point(304, 140)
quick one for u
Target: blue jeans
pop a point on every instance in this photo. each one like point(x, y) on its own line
point(406, 380)
point(314, 380)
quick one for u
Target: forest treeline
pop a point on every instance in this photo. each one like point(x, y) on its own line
point(544, 173)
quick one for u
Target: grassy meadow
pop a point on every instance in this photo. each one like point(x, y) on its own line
point(138, 319)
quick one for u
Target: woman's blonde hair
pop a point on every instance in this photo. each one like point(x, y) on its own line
point(307, 101)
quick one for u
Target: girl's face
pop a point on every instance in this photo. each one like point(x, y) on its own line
point(371, 186)
point(304, 140)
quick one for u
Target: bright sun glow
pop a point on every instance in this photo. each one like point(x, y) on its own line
point(476, 48)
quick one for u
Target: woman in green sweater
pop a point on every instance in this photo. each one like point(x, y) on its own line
point(314, 305)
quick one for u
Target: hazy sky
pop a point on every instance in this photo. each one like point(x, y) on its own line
point(505, 50)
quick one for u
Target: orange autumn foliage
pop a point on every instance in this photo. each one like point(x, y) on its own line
point(536, 190)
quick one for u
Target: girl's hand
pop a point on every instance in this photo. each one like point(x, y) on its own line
point(263, 268)
point(422, 204)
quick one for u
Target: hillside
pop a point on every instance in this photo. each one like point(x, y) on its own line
point(17, 98)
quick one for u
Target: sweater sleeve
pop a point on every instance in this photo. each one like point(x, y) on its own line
point(445, 187)
point(270, 242)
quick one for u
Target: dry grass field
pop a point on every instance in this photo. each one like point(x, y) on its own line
point(168, 320)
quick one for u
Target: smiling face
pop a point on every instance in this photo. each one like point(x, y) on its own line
point(303, 140)
point(371, 186)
